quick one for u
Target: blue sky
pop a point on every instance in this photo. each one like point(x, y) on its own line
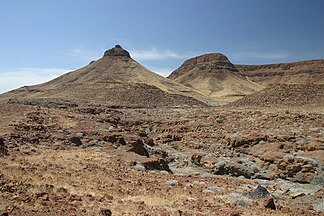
point(41, 39)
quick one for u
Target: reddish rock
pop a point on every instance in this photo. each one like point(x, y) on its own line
point(315, 145)
point(272, 156)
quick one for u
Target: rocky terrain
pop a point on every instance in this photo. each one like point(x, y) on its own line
point(180, 161)
point(286, 96)
point(113, 138)
point(304, 72)
point(215, 76)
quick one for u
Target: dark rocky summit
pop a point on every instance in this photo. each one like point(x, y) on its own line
point(117, 51)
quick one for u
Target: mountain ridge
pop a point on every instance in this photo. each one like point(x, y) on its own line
point(114, 80)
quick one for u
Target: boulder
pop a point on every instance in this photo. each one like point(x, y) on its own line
point(232, 168)
point(75, 140)
point(270, 204)
point(251, 138)
point(137, 145)
point(3, 148)
point(157, 164)
point(259, 192)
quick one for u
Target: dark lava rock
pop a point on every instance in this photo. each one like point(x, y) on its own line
point(137, 146)
point(157, 164)
point(259, 192)
point(3, 148)
point(270, 204)
point(76, 140)
point(149, 141)
point(117, 51)
point(115, 138)
point(105, 212)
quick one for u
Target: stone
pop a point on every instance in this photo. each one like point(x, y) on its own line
point(235, 213)
point(196, 159)
point(172, 182)
point(208, 191)
point(259, 192)
point(137, 146)
point(139, 167)
point(149, 141)
point(232, 168)
point(251, 138)
point(213, 188)
point(272, 156)
point(270, 204)
point(294, 195)
point(304, 177)
point(3, 148)
point(105, 212)
point(157, 164)
point(318, 179)
point(76, 140)
point(80, 134)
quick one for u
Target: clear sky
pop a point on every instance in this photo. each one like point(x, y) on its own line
point(41, 39)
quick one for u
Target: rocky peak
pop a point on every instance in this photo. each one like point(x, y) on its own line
point(217, 60)
point(117, 51)
point(213, 62)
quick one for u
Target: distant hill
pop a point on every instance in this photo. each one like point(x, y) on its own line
point(285, 96)
point(114, 80)
point(215, 76)
point(304, 72)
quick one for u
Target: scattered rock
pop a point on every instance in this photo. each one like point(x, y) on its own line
point(251, 138)
point(315, 145)
point(319, 179)
point(213, 188)
point(105, 212)
point(139, 167)
point(76, 140)
point(294, 195)
point(114, 138)
point(270, 204)
point(137, 146)
point(149, 141)
point(172, 182)
point(157, 164)
point(235, 213)
point(80, 134)
point(259, 192)
point(3, 148)
point(232, 168)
